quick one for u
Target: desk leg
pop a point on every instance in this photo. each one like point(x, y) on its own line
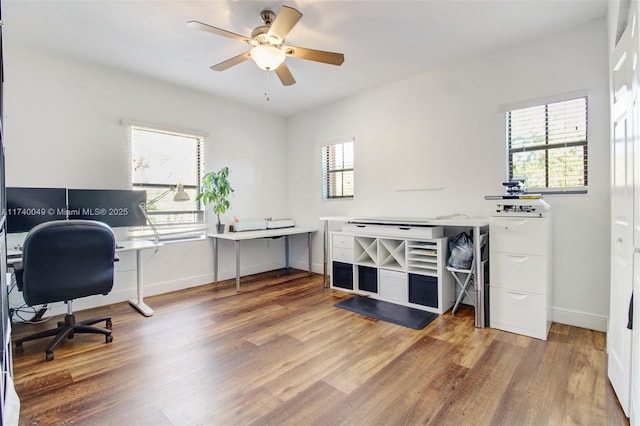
point(142, 307)
point(325, 281)
point(237, 265)
point(286, 250)
point(479, 280)
point(215, 260)
point(309, 249)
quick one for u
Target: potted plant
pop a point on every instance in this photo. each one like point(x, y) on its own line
point(216, 190)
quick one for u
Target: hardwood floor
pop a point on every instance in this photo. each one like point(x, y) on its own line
point(280, 353)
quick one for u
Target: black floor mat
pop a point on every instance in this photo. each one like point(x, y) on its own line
point(385, 311)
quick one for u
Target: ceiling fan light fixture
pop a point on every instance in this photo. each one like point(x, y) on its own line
point(267, 57)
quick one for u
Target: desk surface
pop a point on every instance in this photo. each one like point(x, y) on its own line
point(443, 221)
point(263, 233)
point(131, 245)
point(14, 255)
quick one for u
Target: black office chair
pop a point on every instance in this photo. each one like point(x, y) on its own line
point(62, 261)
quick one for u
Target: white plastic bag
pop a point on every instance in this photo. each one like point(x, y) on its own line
point(461, 248)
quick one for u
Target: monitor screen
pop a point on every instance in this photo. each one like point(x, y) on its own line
point(28, 207)
point(115, 207)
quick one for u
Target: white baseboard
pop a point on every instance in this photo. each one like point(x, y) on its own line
point(151, 289)
point(579, 319)
point(304, 266)
point(124, 295)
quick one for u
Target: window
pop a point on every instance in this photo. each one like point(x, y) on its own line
point(547, 145)
point(161, 160)
point(337, 170)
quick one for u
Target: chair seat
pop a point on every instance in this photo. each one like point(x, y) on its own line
point(462, 271)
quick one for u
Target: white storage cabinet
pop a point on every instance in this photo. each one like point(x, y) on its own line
point(520, 265)
point(400, 265)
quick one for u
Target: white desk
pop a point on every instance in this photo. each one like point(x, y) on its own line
point(254, 235)
point(138, 246)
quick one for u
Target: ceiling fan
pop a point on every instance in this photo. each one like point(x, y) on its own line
point(269, 51)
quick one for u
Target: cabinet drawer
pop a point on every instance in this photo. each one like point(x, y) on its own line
point(342, 241)
point(342, 275)
point(393, 286)
point(342, 255)
point(519, 272)
point(395, 230)
point(519, 312)
point(423, 290)
point(520, 235)
point(367, 279)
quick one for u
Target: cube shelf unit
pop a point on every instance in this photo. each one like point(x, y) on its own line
point(405, 270)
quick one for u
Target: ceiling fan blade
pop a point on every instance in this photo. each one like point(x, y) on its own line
point(286, 19)
point(285, 75)
point(217, 31)
point(231, 62)
point(314, 55)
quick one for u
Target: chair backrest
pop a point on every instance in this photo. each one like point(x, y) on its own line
point(66, 260)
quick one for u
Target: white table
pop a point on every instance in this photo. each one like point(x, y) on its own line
point(15, 256)
point(236, 237)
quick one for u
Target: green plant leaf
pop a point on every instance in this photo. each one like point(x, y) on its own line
point(215, 190)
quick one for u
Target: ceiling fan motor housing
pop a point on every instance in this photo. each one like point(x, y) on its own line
point(261, 36)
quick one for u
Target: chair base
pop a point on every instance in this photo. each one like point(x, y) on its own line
point(68, 328)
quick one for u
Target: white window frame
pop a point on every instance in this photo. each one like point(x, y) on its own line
point(344, 172)
point(186, 229)
point(549, 145)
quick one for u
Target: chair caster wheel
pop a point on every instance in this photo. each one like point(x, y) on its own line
point(108, 324)
point(49, 356)
point(108, 339)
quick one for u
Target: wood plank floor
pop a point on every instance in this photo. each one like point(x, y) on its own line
point(280, 353)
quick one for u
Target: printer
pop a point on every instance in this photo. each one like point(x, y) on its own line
point(518, 202)
point(261, 224)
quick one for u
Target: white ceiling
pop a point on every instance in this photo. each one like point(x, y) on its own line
point(383, 41)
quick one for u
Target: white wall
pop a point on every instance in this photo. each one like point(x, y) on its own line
point(63, 129)
point(445, 129)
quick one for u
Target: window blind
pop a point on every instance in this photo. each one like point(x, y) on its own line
point(547, 145)
point(337, 170)
point(160, 161)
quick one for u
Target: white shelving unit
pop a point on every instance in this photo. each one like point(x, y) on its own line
point(404, 269)
point(422, 257)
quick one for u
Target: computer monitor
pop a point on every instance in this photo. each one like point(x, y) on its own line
point(115, 207)
point(28, 207)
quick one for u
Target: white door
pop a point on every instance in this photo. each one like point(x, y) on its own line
point(634, 406)
point(622, 216)
point(634, 397)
